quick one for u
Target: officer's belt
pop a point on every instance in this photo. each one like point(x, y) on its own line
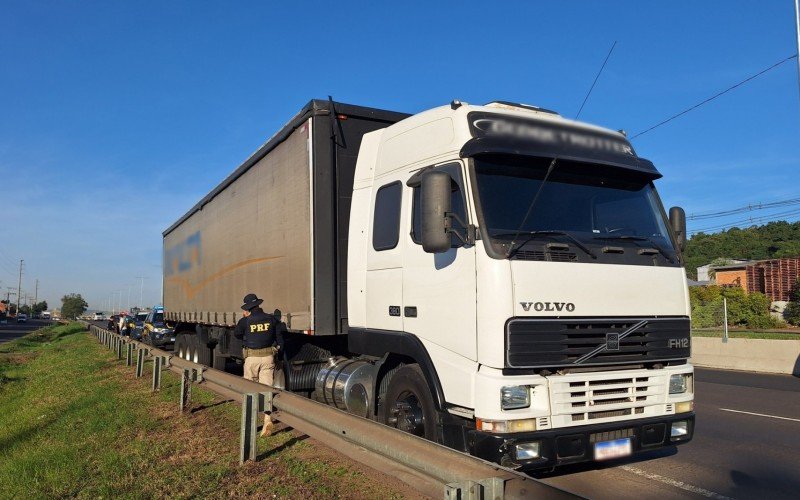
point(259, 353)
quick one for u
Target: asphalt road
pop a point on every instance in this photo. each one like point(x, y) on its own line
point(746, 445)
point(13, 330)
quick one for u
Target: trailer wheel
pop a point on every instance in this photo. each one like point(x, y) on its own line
point(193, 348)
point(219, 362)
point(203, 353)
point(180, 346)
point(408, 404)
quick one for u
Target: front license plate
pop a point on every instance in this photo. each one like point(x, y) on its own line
point(613, 449)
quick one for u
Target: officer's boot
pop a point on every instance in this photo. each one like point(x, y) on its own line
point(268, 426)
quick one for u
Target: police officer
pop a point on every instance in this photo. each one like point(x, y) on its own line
point(262, 339)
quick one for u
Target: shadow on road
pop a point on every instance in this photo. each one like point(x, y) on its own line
point(588, 466)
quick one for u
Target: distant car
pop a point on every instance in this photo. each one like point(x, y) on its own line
point(98, 316)
point(22, 318)
point(156, 331)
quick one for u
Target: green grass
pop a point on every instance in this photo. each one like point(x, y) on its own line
point(74, 421)
point(747, 334)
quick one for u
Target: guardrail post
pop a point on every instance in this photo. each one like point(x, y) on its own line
point(486, 489)
point(129, 356)
point(119, 349)
point(265, 402)
point(157, 361)
point(467, 490)
point(248, 438)
point(140, 361)
point(186, 388)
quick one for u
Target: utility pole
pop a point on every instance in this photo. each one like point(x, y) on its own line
point(129, 297)
point(141, 290)
point(19, 288)
point(36, 293)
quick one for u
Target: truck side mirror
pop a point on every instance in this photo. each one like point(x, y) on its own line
point(434, 206)
point(677, 220)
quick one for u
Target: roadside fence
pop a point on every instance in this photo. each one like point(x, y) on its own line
point(430, 468)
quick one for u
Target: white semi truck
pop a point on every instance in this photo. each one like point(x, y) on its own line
point(495, 278)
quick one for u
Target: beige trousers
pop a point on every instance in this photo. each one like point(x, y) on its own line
point(260, 369)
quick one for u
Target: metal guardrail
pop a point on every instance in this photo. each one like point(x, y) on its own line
point(430, 468)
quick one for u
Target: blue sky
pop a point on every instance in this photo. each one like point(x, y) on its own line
point(116, 117)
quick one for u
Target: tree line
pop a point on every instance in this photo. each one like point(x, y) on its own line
point(770, 241)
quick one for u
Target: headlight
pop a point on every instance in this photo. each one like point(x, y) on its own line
point(506, 426)
point(680, 383)
point(679, 429)
point(513, 397)
point(528, 451)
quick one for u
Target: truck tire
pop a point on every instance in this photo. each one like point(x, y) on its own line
point(178, 348)
point(193, 344)
point(182, 346)
point(219, 362)
point(408, 404)
point(203, 352)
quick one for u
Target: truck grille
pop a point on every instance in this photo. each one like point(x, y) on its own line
point(545, 343)
point(581, 399)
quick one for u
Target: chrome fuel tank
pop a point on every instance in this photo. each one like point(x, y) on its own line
point(347, 385)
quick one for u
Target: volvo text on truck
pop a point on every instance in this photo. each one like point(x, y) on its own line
point(495, 278)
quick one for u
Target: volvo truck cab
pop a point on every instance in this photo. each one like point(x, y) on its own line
point(529, 262)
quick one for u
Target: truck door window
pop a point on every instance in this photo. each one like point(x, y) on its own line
point(456, 201)
point(386, 221)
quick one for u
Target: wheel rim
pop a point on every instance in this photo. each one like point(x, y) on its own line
point(407, 414)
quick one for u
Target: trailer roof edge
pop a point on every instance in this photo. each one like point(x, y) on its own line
point(313, 108)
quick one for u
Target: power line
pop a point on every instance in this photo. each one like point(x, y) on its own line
point(713, 97)
point(595, 80)
point(747, 208)
point(780, 216)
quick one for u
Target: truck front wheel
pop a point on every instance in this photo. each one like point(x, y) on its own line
point(408, 404)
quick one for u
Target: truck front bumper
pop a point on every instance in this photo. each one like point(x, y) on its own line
point(577, 444)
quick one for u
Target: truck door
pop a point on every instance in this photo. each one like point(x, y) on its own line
point(384, 298)
point(439, 289)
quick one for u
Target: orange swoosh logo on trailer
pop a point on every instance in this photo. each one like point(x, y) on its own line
point(190, 290)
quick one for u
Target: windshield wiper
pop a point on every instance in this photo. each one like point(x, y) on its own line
point(533, 234)
point(530, 207)
point(656, 246)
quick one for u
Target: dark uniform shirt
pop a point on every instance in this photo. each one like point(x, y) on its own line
point(259, 330)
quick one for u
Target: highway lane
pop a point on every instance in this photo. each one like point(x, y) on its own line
point(13, 330)
point(746, 445)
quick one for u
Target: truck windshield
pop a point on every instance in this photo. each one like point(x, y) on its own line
point(594, 204)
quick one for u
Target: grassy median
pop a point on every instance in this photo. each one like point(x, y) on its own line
point(75, 422)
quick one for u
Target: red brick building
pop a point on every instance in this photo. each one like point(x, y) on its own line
point(774, 278)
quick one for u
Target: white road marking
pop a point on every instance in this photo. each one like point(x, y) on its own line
point(678, 484)
point(761, 414)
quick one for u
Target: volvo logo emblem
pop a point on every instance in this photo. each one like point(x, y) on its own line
point(612, 341)
point(548, 306)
